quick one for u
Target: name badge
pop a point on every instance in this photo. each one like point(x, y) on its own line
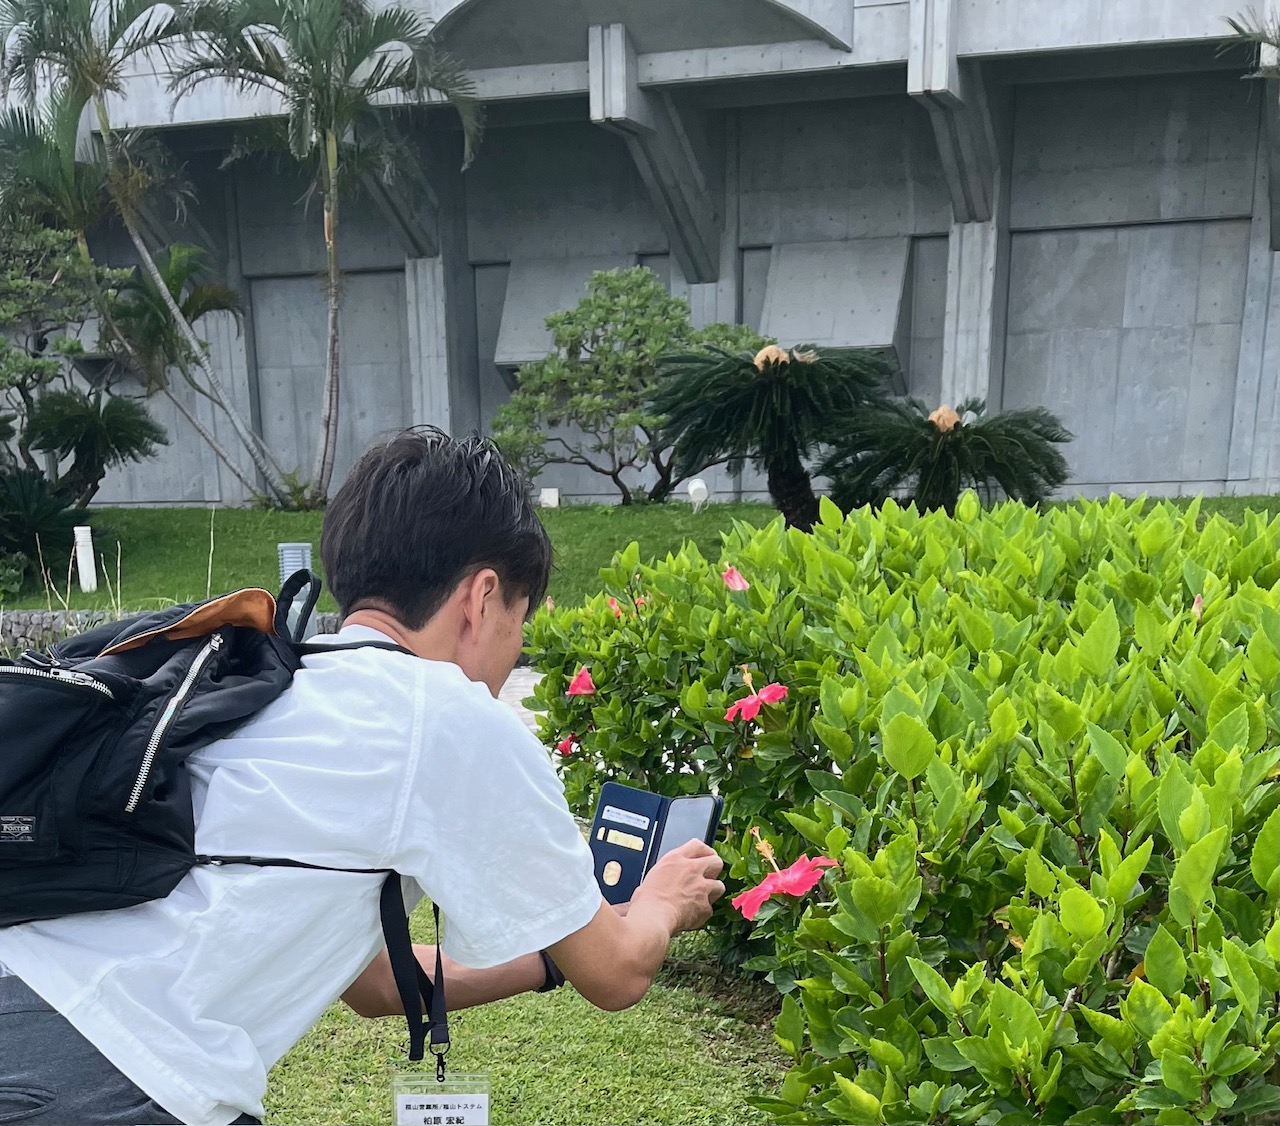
point(423, 1100)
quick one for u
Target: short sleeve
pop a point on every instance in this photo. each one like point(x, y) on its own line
point(488, 834)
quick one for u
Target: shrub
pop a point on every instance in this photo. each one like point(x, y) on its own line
point(1042, 748)
point(588, 402)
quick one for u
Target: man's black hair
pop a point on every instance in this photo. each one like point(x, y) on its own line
point(423, 511)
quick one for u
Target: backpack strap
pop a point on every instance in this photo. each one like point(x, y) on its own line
point(423, 1000)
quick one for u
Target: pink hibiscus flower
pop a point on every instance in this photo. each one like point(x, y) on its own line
point(613, 605)
point(582, 684)
point(797, 880)
point(565, 746)
point(749, 706)
point(734, 581)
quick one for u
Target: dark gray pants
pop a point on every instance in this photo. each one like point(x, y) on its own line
point(50, 1074)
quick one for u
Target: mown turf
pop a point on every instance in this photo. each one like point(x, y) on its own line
point(691, 1052)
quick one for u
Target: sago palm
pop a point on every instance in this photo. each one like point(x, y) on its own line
point(772, 409)
point(81, 51)
point(333, 65)
point(1260, 30)
point(97, 430)
point(900, 448)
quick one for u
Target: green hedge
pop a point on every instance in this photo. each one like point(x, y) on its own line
point(1042, 748)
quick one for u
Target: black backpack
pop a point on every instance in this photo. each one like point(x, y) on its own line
point(95, 799)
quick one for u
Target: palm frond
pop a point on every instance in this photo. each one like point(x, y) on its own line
point(1258, 30)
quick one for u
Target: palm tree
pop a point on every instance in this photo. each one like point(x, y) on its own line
point(42, 177)
point(773, 408)
point(897, 446)
point(97, 430)
point(82, 50)
point(331, 63)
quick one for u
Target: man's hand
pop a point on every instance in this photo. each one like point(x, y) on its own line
point(684, 883)
point(614, 958)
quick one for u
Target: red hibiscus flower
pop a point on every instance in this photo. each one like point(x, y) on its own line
point(565, 746)
point(799, 879)
point(749, 706)
point(641, 600)
point(582, 684)
point(734, 581)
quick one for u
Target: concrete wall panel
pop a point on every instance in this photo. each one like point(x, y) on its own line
point(557, 191)
point(839, 170)
point(375, 388)
point(1131, 336)
point(928, 312)
point(280, 236)
point(1133, 150)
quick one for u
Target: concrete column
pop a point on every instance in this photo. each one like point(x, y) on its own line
point(428, 342)
point(717, 301)
point(1253, 463)
point(977, 298)
point(440, 298)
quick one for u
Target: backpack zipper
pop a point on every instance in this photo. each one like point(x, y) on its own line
point(62, 676)
point(171, 710)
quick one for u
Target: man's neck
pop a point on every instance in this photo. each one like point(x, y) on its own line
point(428, 642)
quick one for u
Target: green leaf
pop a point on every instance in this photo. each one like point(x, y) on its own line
point(908, 745)
point(834, 739)
point(1114, 1031)
point(1244, 982)
point(1192, 880)
point(789, 1031)
point(934, 985)
point(1145, 1009)
point(1180, 1074)
point(877, 898)
point(1121, 885)
point(1101, 642)
point(1080, 913)
point(1165, 966)
point(1150, 630)
point(1229, 728)
point(1264, 861)
point(1015, 1016)
point(864, 1106)
point(1109, 751)
point(1173, 798)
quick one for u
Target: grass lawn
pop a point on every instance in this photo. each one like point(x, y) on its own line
point(691, 1052)
point(164, 552)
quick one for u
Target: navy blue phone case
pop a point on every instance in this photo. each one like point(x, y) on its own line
point(625, 834)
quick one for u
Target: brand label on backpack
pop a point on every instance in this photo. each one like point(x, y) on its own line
point(14, 829)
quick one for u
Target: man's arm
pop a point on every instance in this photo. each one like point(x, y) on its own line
point(374, 994)
point(611, 961)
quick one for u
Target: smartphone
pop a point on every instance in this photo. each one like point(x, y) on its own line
point(688, 819)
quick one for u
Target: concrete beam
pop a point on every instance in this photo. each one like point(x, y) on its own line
point(955, 96)
point(673, 155)
point(419, 237)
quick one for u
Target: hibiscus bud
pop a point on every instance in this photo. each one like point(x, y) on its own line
point(613, 605)
point(944, 418)
point(565, 746)
point(582, 684)
point(734, 581)
point(1197, 607)
point(550, 603)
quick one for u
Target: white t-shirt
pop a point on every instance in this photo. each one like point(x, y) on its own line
point(372, 759)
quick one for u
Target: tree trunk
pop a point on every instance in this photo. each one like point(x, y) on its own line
point(792, 491)
point(246, 436)
point(333, 294)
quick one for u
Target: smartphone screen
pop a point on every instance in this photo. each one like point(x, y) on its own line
point(688, 819)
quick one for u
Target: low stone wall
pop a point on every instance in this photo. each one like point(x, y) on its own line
point(39, 629)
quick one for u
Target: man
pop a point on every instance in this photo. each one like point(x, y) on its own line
point(175, 1010)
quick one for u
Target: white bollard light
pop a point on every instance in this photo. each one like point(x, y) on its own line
point(293, 557)
point(86, 568)
point(698, 492)
point(549, 498)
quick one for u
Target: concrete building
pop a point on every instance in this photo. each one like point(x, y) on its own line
point(1068, 203)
